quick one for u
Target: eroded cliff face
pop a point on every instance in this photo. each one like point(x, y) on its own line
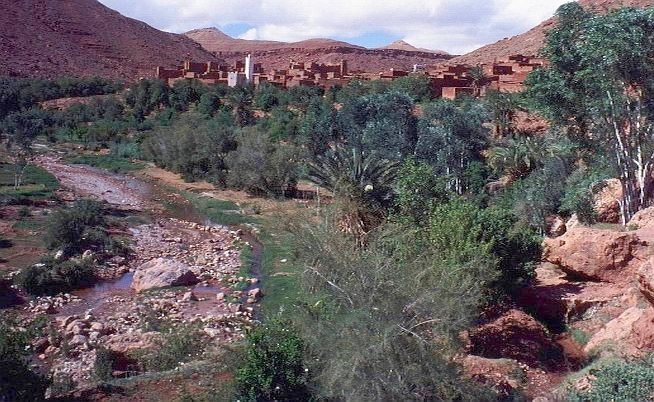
point(83, 38)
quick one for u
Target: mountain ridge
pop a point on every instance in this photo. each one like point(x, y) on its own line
point(277, 55)
point(530, 42)
point(84, 38)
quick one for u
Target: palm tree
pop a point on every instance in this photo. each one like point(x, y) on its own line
point(517, 156)
point(361, 183)
point(478, 79)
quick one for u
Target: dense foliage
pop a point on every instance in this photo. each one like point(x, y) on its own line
point(616, 380)
point(18, 382)
point(79, 228)
point(273, 368)
point(384, 318)
point(72, 232)
point(598, 87)
point(50, 277)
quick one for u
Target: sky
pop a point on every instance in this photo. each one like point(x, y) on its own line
point(455, 26)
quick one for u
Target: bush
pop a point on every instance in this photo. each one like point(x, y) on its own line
point(260, 166)
point(417, 190)
point(50, 277)
point(616, 380)
point(77, 229)
point(580, 188)
point(384, 317)
point(192, 146)
point(105, 360)
point(17, 381)
point(464, 227)
point(273, 368)
point(538, 195)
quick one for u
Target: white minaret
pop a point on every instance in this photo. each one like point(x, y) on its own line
point(249, 68)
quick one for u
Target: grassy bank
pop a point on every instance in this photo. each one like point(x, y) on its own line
point(112, 163)
point(280, 275)
point(37, 184)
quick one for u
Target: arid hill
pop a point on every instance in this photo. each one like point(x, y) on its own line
point(402, 45)
point(530, 42)
point(276, 55)
point(83, 38)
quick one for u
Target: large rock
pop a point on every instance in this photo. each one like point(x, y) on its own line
point(594, 254)
point(606, 202)
point(646, 279)
point(161, 273)
point(133, 341)
point(616, 331)
point(643, 219)
point(516, 335)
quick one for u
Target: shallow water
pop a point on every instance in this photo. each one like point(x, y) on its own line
point(102, 289)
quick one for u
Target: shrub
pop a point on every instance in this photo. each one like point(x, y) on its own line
point(17, 381)
point(105, 360)
point(273, 368)
point(417, 190)
point(388, 313)
point(79, 228)
point(580, 188)
point(616, 380)
point(50, 277)
point(464, 227)
point(260, 166)
point(191, 146)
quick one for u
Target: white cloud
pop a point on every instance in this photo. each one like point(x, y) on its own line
point(457, 26)
point(250, 34)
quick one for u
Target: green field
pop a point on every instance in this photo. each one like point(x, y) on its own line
point(37, 184)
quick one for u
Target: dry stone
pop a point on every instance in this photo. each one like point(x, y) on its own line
point(617, 330)
point(593, 254)
point(515, 335)
point(555, 226)
point(646, 279)
point(606, 202)
point(161, 273)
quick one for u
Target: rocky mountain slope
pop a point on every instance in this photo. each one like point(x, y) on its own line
point(530, 42)
point(83, 38)
point(276, 55)
point(402, 45)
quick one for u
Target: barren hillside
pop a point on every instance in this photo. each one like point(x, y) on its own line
point(402, 45)
point(530, 42)
point(83, 38)
point(276, 55)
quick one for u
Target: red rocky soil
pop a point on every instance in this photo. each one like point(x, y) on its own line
point(593, 295)
point(83, 38)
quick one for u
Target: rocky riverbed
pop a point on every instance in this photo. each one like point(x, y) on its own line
point(181, 274)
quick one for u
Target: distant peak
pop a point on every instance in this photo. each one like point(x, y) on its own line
point(213, 31)
point(403, 45)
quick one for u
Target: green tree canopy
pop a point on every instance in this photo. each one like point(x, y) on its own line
point(451, 137)
point(599, 86)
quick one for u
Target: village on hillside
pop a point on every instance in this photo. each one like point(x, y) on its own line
point(449, 82)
